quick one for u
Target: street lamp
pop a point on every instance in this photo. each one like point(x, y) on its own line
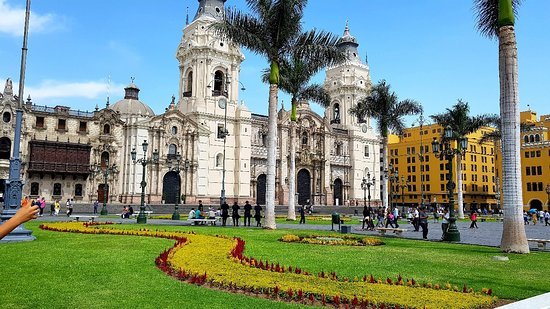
point(222, 103)
point(141, 218)
point(106, 171)
point(404, 184)
point(176, 168)
point(452, 234)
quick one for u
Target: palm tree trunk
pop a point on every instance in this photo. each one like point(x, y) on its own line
point(385, 197)
point(292, 174)
point(460, 198)
point(513, 232)
point(271, 158)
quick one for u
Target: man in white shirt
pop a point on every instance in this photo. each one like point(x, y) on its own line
point(192, 214)
point(445, 222)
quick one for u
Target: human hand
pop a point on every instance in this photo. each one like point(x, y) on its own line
point(26, 213)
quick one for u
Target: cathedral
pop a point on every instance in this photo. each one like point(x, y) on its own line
point(206, 141)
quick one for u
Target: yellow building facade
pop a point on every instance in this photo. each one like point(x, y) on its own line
point(421, 173)
point(535, 160)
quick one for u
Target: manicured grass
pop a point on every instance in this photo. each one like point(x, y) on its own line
point(66, 270)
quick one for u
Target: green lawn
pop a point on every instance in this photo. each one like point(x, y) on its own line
point(65, 270)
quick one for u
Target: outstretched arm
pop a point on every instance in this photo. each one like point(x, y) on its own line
point(24, 214)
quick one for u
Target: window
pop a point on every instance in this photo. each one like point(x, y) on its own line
point(221, 131)
point(408, 159)
point(219, 84)
point(172, 151)
point(304, 139)
point(106, 129)
point(5, 148)
point(442, 187)
point(264, 139)
point(367, 154)
point(538, 153)
point(61, 124)
point(35, 188)
point(78, 190)
point(533, 170)
point(189, 88)
point(39, 122)
point(539, 170)
point(6, 117)
point(540, 186)
point(528, 186)
point(338, 149)
point(527, 154)
point(174, 130)
point(219, 160)
point(336, 113)
point(82, 128)
point(526, 139)
point(104, 160)
point(427, 177)
point(57, 189)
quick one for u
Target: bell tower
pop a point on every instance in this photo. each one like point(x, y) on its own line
point(209, 65)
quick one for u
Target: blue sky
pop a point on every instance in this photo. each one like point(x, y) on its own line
point(428, 50)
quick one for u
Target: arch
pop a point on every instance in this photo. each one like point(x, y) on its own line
point(261, 187)
point(171, 183)
point(174, 130)
point(104, 160)
point(219, 84)
point(106, 129)
point(172, 149)
point(219, 160)
point(535, 203)
point(304, 139)
point(5, 148)
point(189, 86)
point(338, 190)
point(57, 189)
point(531, 138)
point(6, 116)
point(537, 138)
point(526, 139)
point(336, 113)
point(304, 187)
point(35, 188)
point(78, 189)
point(103, 193)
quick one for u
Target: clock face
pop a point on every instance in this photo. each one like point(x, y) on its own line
point(222, 103)
point(364, 128)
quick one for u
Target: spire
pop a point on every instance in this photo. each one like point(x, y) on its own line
point(187, 17)
point(210, 9)
point(348, 44)
point(131, 91)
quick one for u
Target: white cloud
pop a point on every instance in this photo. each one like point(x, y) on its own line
point(52, 90)
point(12, 20)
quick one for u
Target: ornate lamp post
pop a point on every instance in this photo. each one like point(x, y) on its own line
point(449, 153)
point(222, 103)
point(403, 184)
point(176, 168)
point(113, 169)
point(141, 218)
point(366, 184)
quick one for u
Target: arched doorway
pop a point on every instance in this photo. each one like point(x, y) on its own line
point(304, 187)
point(261, 186)
point(102, 193)
point(534, 203)
point(170, 185)
point(338, 192)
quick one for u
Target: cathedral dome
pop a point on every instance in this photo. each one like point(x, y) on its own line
point(131, 105)
point(347, 38)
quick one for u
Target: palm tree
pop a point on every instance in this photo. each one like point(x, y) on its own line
point(383, 105)
point(495, 19)
point(274, 30)
point(462, 124)
point(294, 79)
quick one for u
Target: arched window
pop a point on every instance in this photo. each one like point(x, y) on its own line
point(526, 139)
point(219, 160)
point(174, 130)
point(57, 189)
point(531, 138)
point(338, 149)
point(106, 129)
point(6, 117)
point(35, 188)
point(537, 138)
point(219, 84)
point(172, 149)
point(304, 139)
point(5, 148)
point(78, 189)
point(336, 113)
point(189, 87)
point(104, 160)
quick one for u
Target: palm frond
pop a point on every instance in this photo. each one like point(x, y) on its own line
point(487, 16)
point(318, 46)
point(317, 94)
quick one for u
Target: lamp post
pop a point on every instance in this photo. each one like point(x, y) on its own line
point(106, 171)
point(367, 183)
point(404, 184)
point(141, 218)
point(447, 152)
point(176, 168)
point(222, 103)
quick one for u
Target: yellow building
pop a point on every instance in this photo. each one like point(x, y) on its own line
point(422, 173)
point(535, 160)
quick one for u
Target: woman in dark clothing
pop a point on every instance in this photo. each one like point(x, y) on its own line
point(247, 213)
point(258, 214)
point(225, 213)
point(235, 214)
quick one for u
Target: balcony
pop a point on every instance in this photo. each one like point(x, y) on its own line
point(60, 168)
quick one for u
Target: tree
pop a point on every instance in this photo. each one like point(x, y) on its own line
point(274, 29)
point(462, 124)
point(382, 105)
point(295, 75)
point(495, 19)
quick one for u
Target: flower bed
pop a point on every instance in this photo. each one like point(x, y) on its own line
point(339, 240)
point(190, 260)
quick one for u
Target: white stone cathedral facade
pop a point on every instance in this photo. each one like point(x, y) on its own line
point(71, 154)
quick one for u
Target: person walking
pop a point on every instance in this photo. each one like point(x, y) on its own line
point(302, 215)
point(235, 213)
point(445, 223)
point(396, 216)
point(41, 204)
point(423, 222)
point(96, 205)
point(69, 207)
point(546, 218)
point(225, 213)
point(258, 215)
point(247, 213)
point(415, 220)
point(473, 217)
point(389, 219)
point(57, 207)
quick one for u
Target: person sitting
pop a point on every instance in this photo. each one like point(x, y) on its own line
point(130, 211)
point(124, 214)
point(191, 214)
